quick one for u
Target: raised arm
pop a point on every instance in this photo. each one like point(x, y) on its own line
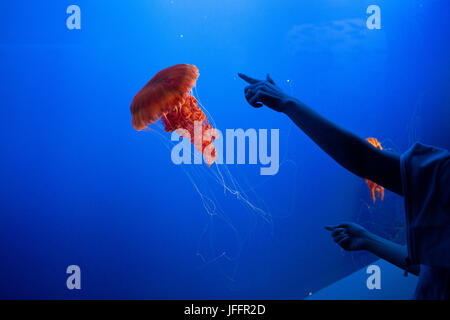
point(349, 150)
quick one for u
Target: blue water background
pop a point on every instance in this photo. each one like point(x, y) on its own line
point(78, 185)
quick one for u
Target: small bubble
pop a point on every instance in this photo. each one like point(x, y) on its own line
point(288, 80)
point(181, 35)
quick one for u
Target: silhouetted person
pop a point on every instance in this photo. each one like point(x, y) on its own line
point(421, 175)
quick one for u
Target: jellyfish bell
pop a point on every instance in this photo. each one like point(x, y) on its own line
point(168, 89)
point(168, 97)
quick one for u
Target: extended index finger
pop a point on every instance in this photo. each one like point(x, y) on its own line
point(332, 228)
point(248, 79)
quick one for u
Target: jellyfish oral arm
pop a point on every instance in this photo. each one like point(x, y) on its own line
point(346, 148)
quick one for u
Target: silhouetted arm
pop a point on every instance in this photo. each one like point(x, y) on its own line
point(352, 237)
point(349, 150)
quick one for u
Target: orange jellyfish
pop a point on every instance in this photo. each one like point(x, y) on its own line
point(372, 185)
point(168, 96)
